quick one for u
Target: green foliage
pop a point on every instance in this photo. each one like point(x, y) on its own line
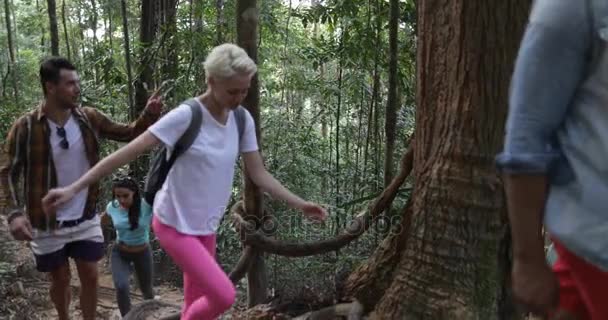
point(302, 52)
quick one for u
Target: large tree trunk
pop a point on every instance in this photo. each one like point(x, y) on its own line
point(443, 260)
point(247, 16)
point(52, 11)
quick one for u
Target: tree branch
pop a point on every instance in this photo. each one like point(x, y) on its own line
point(240, 270)
point(256, 238)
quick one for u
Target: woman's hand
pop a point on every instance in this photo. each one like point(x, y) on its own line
point(56, 198)
point(313, 211)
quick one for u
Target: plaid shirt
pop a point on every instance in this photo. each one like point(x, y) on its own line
point(29, 155)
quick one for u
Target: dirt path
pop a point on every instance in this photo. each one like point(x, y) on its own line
point(24, 291)
point(107, 308)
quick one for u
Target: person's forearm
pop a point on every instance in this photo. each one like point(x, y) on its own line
point(117, 159)
point(271, 185)
point(526, 197)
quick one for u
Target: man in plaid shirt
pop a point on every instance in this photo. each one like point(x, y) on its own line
point(52, 146)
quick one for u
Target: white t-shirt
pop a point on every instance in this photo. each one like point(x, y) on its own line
point(195, 194)
point(70, 164)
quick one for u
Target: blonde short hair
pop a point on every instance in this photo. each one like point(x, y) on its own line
point(228, 60)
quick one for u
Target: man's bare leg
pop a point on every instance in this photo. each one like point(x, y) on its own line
point(88, 274)
point(60, 290)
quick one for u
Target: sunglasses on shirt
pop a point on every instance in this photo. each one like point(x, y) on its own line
point(64, 144)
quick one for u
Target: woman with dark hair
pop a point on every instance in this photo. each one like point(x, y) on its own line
point(131, 217)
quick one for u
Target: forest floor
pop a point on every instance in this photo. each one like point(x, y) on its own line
point(25, 290)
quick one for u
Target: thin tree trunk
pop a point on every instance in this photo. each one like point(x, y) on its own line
point(376, 97)
point(320, 102)
point(110, 33)
point(125, 32)
point(42, 31)
point(375, 109)
point(391, 104)
point(65, 30)
point(368, 135)
point(390, 120)
point(15, 29)
point(94, 21)
point(199, 56)
point(338, 117)
point(169, 66)
point(145, 74)
point(192, 42)
point(12, 66)
point(247, 34)
point(356, 178)
point(4, 81)
point(285, 61)
point(52, 12)
point(443, 262)
point(81, 34)
point(144, 80)
point(219, 22)
point(109, 63)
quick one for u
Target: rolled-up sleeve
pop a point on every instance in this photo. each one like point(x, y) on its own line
point(550, 66)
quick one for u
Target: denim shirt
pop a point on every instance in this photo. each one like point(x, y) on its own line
point(558, 124)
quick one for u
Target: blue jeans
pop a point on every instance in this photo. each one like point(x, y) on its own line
point(121, 269)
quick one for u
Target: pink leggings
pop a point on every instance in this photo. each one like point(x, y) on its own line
point(208, 292)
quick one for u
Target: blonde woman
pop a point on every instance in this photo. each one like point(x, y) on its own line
point(189, 206)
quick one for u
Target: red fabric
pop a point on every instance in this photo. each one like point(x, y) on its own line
point(583, 288)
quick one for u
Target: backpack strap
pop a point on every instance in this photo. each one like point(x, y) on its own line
point(240, 115)
point(188, 137)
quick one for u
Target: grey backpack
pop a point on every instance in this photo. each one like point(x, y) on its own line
point(163, 160)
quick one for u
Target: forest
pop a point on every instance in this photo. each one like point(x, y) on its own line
point(387, 112)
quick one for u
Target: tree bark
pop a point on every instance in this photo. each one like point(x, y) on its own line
point(42, 31)
point(125, 32)
point(144, 79)
point(147, 32)
point(168, 25)
point(109, 32)
point(65, 30)
point(377, 100)
point(219, 21)
point(247, 34)
point(12, 66)
point(443, 262)
point(94, 20)
point(81, 27)
point(52, 11)
point(392, 103)
point(390, 121)
point(337, 179)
